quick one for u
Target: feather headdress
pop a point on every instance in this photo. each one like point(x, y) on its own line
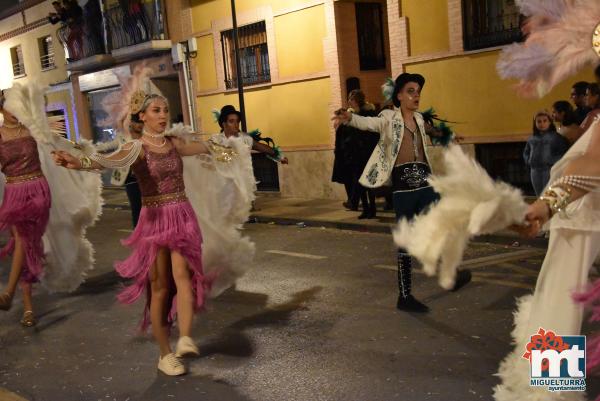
point(27, 103)
point(559, 43)
point(387, 89)
point(117, 104)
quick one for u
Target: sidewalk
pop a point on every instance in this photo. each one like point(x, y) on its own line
point(273, 209)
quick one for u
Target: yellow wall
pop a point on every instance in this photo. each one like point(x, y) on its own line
point(204, 11)
point(299, 40)
point(205, 64)
point(468, 89)
point(31, 58)
point(427, 24)
point(294, 114)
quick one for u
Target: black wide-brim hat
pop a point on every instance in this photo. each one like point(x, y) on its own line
point(402, 80)
point(226, 111)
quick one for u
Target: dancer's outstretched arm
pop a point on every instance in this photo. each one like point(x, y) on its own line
point(190, 147)
point(373, 124)
point(262, 148)
point(581, 175)
point(125, 156)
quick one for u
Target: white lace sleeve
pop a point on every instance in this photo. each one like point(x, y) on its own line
point(124, 156)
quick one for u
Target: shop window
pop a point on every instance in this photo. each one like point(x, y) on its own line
point(369, 28)
point(16, 56)
point(46, 48)
point(253, 53)
point(488, 23)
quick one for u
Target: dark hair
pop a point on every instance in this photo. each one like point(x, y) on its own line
point(225, 112)
point(359, 96)
point(402, 80)
point(56, 2)
point(594, 89)
point(580, 87)
point(552, 127)
point(562, 106)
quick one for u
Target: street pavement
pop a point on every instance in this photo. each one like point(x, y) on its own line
point(314, 319)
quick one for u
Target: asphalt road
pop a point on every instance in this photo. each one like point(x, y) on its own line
point(314, 319)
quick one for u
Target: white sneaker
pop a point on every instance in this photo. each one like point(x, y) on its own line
point(186, 347)
point(170, 365)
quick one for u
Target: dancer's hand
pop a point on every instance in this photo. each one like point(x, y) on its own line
point(284, 160)
point(538, 210)
point(65, 159)
point(341, 117)
point(537, 215)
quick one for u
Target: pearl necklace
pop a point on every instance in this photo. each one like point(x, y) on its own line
point(153, 144)
point(151, 135)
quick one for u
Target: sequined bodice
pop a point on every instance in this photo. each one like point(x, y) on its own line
point(19, 156)
point(159, 173)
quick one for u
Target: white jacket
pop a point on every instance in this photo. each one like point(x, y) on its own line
point(390, 126)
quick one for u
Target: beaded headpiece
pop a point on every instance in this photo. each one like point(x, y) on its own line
point(137, 101)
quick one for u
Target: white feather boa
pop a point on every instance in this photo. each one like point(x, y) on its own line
point(76, 195)
point(471, 204)
point(514, 369)
point(221, 193)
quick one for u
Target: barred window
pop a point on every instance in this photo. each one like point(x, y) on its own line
point(369, 28)
point(253, 53)
point(46, 48)
point(16, 56)
point(488, 23)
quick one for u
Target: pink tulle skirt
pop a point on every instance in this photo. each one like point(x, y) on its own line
point(26, 206)
point(173, 226)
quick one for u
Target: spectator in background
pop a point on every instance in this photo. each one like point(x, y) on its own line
point(562, 113)
point(74, 14)
point(578, 98)
point(92, 27)
point(343, 156)
point(592, 101)
point(59, 16)
point(544, 148)
point(365, 142)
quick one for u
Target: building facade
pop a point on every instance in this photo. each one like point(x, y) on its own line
point(299, 59)
point(318, 50)
point(30, 51)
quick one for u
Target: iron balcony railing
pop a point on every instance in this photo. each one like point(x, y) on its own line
point(47, 61)
point(122, 22)
point(134, 22)
point(81, 41)
point(488, 23)
point(253, 54)
point(18, 69)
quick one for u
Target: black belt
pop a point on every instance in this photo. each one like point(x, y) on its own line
point(410, 176)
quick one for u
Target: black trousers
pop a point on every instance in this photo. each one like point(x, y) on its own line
point(134, 195)
point(408, 203)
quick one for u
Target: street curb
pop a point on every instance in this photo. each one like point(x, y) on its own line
point(364, 228)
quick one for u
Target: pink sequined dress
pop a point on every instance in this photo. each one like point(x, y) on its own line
point(26, 202)
point(167, 219)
